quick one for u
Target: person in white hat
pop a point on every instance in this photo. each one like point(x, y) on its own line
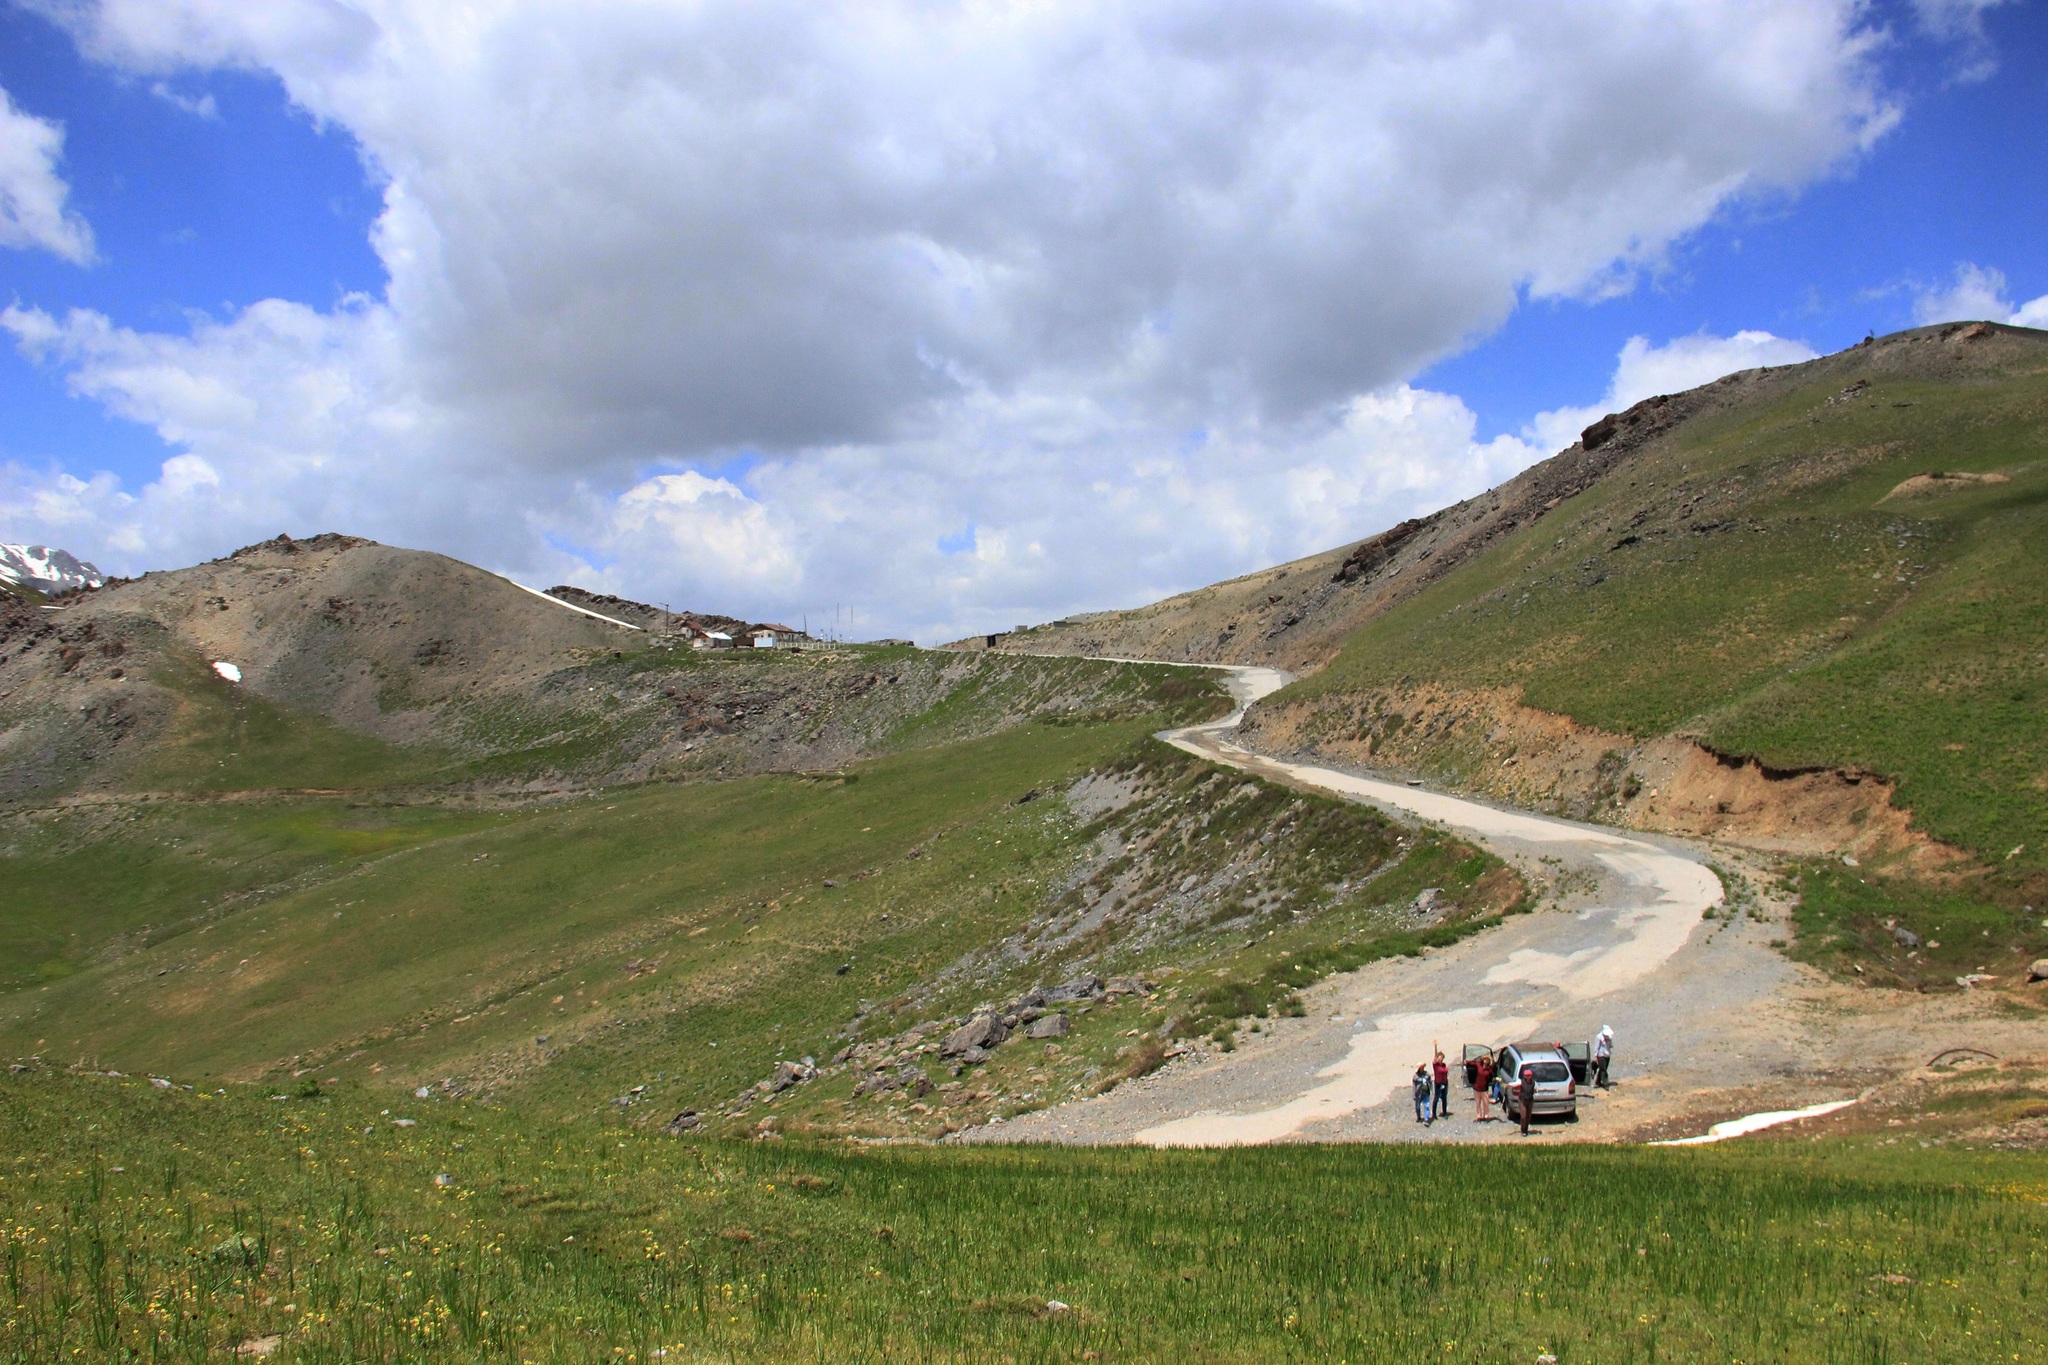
point(1603, 1054)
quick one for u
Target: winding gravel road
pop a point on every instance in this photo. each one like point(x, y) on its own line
point(1696, 1010)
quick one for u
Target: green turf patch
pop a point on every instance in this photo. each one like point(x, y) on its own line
point(1904, 932)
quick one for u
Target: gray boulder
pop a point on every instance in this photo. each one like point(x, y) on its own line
point(1080, 988)
point(788, 1074)
point(1906, 937)
point(682, 1123)
point(1127, 985)
point(980, 1033)
point(1050, 1026)
point(2039, 971)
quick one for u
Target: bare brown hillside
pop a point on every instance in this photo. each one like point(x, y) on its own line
point(453, 674)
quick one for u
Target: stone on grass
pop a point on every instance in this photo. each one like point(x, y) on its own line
point(980, 1033)
point(1049, 1026)
point(2039, 971)
point(1080, 988)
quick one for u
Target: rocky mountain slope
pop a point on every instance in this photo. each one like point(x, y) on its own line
point(337, 662)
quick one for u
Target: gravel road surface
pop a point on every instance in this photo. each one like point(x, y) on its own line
point(1702, 1007)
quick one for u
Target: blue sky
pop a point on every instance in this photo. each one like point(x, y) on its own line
point(489, 351)
point(190, 212)
point(1963, 178)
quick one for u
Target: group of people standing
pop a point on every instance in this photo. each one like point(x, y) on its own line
point(1431, 1083)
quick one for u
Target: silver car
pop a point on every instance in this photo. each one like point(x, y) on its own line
point(1556, 1091)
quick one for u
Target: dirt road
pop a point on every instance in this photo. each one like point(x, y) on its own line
point(1703, 1007)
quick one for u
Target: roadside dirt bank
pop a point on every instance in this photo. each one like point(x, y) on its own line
point(1487, 743)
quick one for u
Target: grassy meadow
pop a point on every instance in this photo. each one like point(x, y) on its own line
point(148, 1225)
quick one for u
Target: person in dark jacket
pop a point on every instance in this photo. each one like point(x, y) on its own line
point(1525, 1097)
point(1420, 1085)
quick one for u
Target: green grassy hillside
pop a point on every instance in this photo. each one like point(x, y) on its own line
point(1777, 579)
point(670, 943)
point(170, 1226)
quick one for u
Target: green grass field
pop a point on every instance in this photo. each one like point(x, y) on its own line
point(169, 1226)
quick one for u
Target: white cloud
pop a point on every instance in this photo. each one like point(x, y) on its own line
point(33, 211)
point(199, 106)
point(2033, 313)
point(1961, 23)
point(1978, 293)
point(1644, 371)
point(1134, 289)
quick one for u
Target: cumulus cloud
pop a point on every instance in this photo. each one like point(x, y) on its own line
point(33, 208)
point(1978, 293)
point(1644, 371)
point(1133, 289)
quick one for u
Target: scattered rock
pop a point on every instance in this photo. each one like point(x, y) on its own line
point(444, 1180)
point(260, 1346)
point(876, 1084)
point(1974, 979)
point(1128, 985)
point(1426, 900)
point(424, 1092)
point(682, 1123)
point(768, 1125)
point(1080, 988)
point(1048, 1026)
point(1906, 937)
point(788, 1074)
point(982, 1032)
point(160, 1082)
point(2039, 971)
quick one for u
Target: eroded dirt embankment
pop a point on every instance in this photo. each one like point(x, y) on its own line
point(1486, 742)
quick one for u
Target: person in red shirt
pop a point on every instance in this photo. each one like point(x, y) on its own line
point(1482, 1086)
point(1441, 1075)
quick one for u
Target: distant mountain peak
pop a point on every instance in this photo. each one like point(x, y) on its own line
point(46, 570)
